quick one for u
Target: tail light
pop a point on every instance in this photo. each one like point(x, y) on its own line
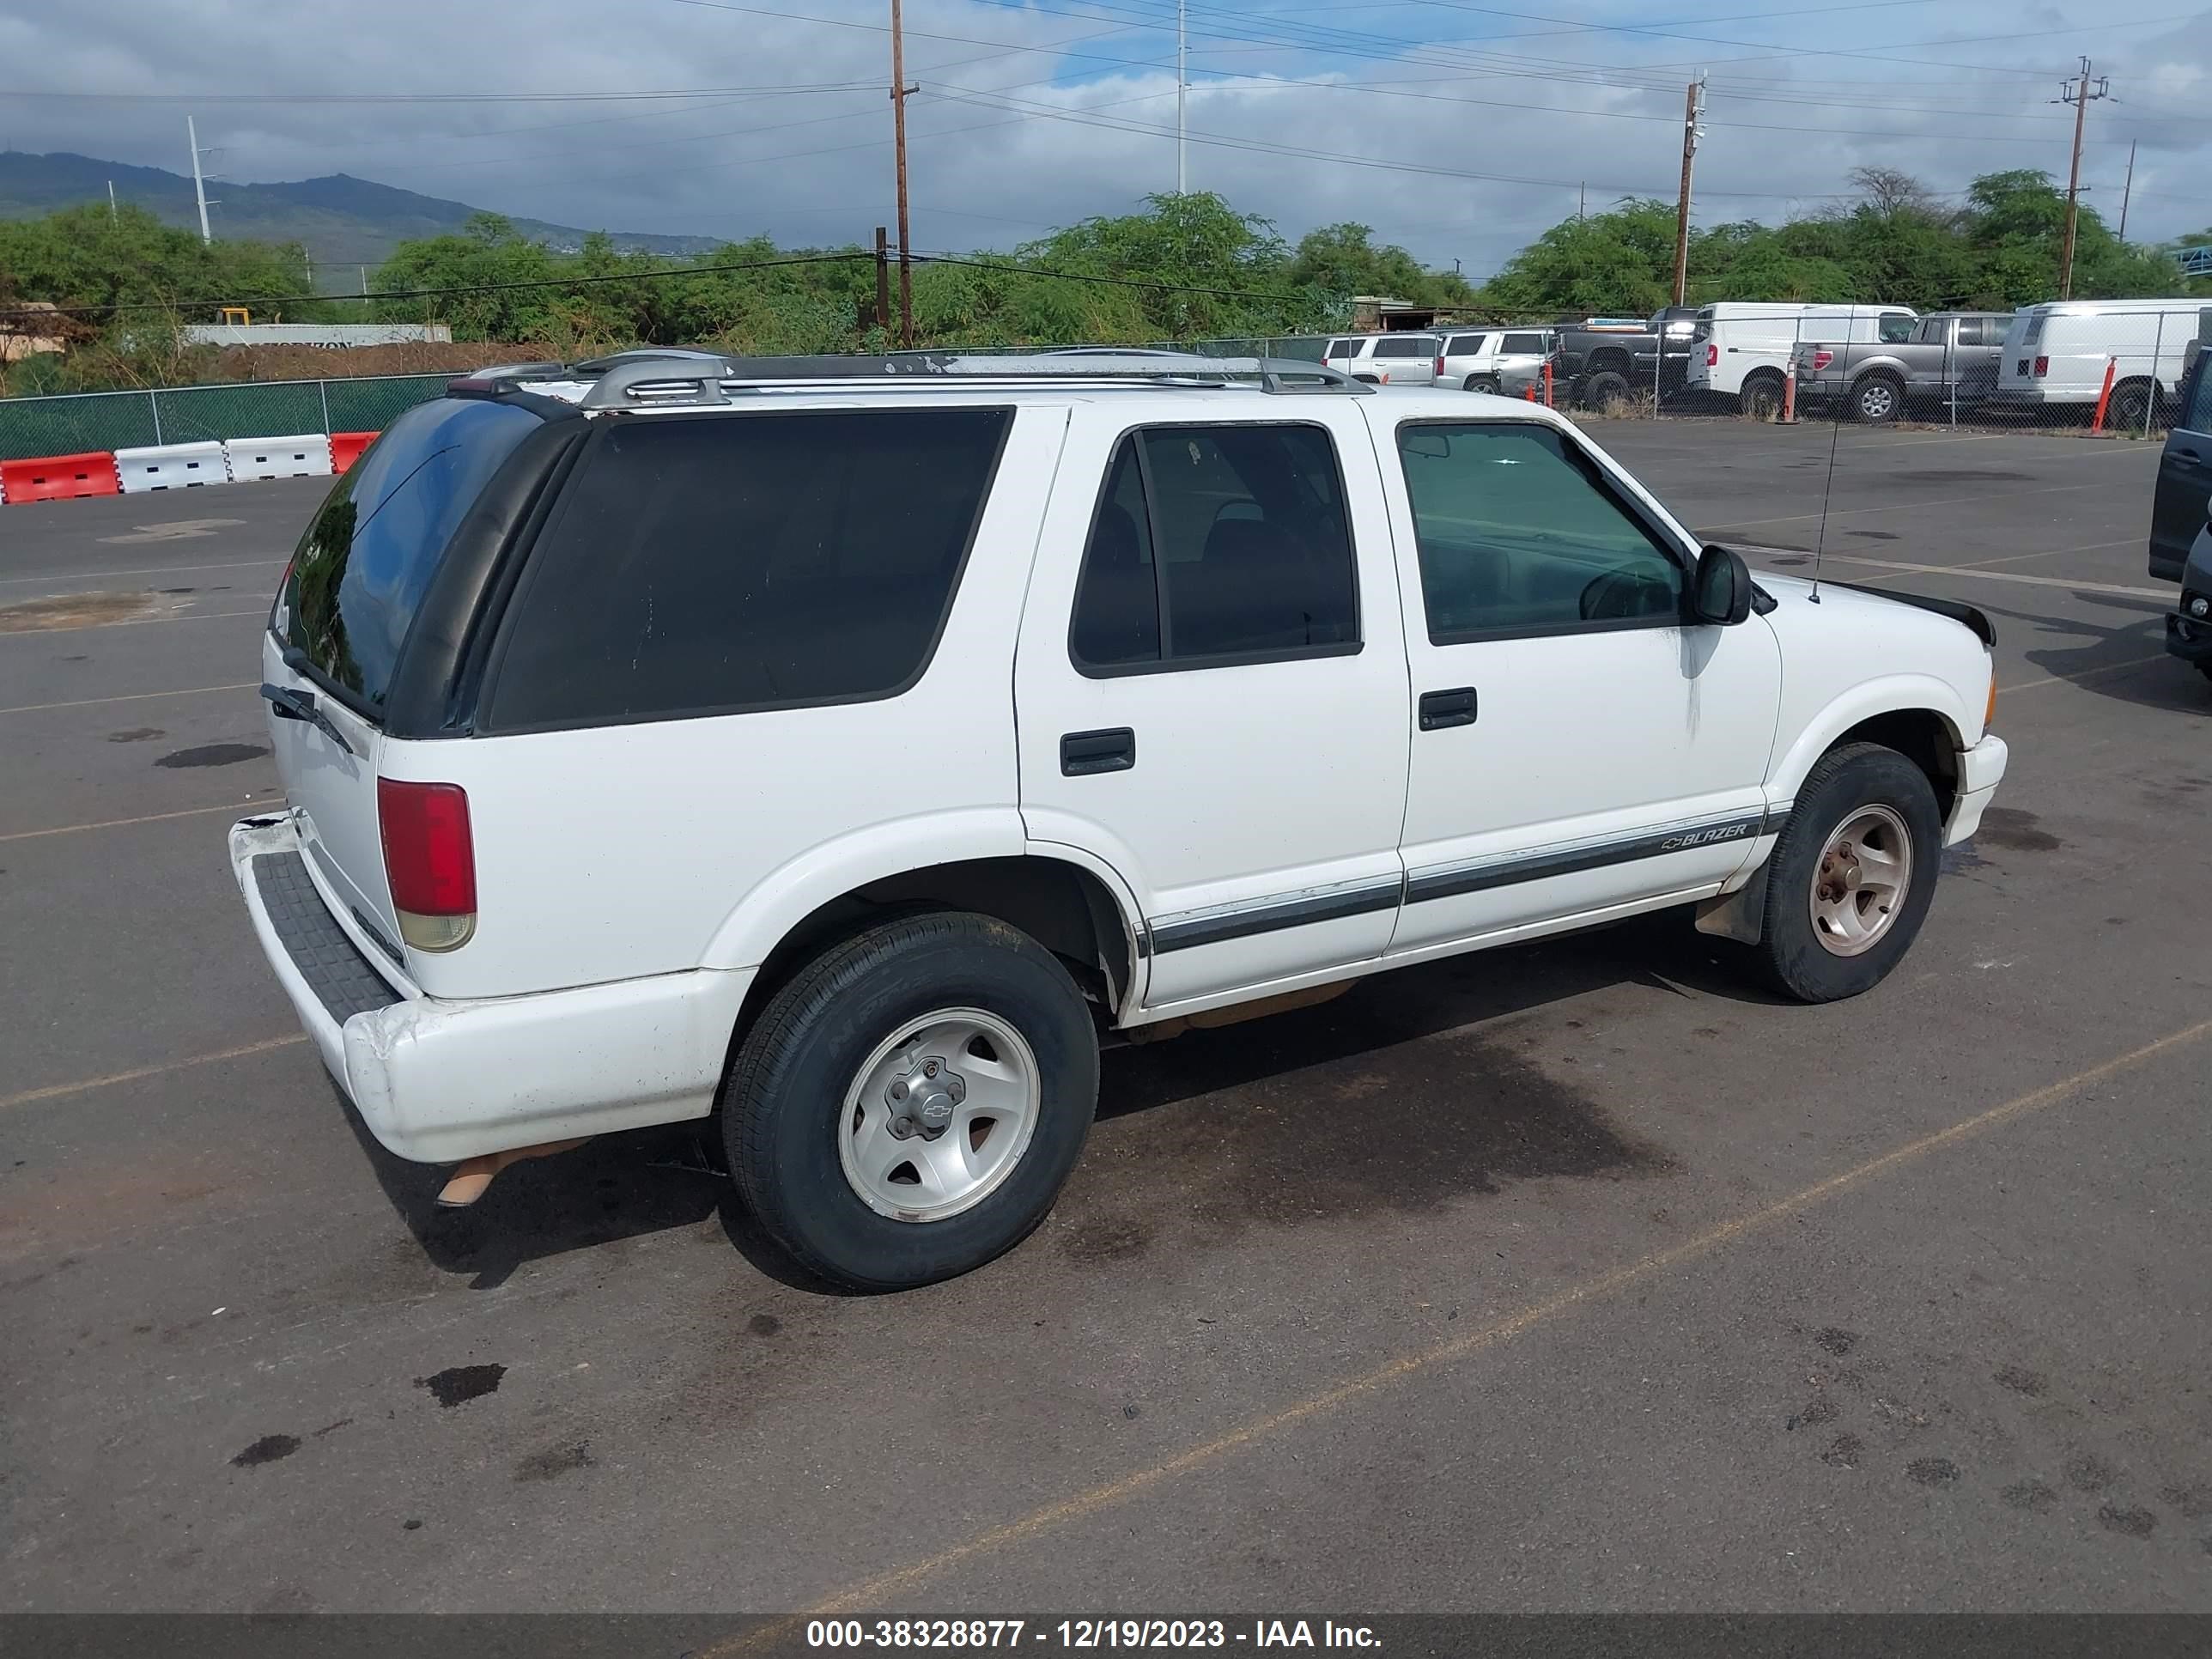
point(1821, 360)
point(1712, 356)
point(2042, 367)
point(1440, 364)
point(429, 861)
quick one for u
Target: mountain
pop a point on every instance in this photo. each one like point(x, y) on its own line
point(342, 220)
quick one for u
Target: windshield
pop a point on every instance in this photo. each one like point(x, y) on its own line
point(362, 567)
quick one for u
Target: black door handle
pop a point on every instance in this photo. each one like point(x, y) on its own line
point(1452, 707)
point(1082, 753)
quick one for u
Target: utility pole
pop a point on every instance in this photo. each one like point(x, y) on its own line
point(1582, 200)
point(2128, 190)
point(112, 211)
point(899, 90)
point(1182, 91)
point(2080, 92)
point(1693, 106)
point(199, 183)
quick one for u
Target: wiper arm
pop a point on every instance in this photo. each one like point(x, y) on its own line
point(293, 705)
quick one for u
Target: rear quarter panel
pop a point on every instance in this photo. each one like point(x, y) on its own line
point(618, 851)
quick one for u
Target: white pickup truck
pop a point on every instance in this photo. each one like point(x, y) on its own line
point(847, 747)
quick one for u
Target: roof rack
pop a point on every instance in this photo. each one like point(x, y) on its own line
point(643, 378)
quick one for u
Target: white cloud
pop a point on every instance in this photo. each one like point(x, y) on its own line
point(1476, 94)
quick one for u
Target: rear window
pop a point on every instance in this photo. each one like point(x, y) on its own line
point(712, 565)
point(1524, 344)
point(361, 568)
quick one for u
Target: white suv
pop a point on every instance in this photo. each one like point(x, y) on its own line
point(848, 750)
point(1399, 360)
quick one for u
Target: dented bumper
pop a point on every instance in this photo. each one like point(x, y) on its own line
point(440, 1079)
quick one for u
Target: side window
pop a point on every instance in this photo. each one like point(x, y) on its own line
point(703, 565)
point(1337, 349)
point(1213, 544)
point(1524, 344)
point(1519, 533)
point(2200, 401)
point(1403, 345)
point(1896, 328)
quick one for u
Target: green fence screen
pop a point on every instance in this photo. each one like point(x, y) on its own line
point(31, 427)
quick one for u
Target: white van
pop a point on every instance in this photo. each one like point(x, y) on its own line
point(1743, 349)
point(2056, 355)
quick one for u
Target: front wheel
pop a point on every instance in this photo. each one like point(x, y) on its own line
point(908, 1105)
point(1852, 874)
point(1607, 392)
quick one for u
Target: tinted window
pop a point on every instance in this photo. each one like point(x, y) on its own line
point(1216, 542)
point(1519, 533)
point(361, 568)
point(2200, 402)
point(707, 565)
point(1405, 345)
point(1464, 345)
point(1337, 349)
point(1525, 344)
point(1896, 329)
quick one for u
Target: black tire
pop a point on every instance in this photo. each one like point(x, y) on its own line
point(2132, 404)
point(1762, 396)
point(1843, 781)
point(790, 1079)
point(1878, 399)
point(1483, 383)
point(1607, 391)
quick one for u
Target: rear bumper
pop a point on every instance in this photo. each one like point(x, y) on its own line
point(1981, 768)
point(440, 1079)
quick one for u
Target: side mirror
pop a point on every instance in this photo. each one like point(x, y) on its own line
point(1720, 588)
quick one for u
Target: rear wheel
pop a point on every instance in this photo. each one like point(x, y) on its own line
point(2132, 403)
point(1762, 396)
point(1483, 383)
point(908, 1107)
point(1852, 874)
point(1607, 392)
point(1877, 399)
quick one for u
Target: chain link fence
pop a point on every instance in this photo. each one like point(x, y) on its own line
point(68, 425)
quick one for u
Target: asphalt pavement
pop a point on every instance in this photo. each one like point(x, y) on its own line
point(1578, 1276)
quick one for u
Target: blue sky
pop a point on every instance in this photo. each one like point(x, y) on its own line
point(1458, 129)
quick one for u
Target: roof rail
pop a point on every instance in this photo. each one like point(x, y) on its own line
point(632, 380)
point(485, 382)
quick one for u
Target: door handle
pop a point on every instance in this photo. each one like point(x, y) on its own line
point(1082, 753)
point(1441, 709)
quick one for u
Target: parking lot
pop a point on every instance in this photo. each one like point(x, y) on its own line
point(1574, 1276)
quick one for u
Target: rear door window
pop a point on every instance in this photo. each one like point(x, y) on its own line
point(706, 565)
point(361, 568)
point(2200, 400)
point(1524, 344)
point(1405, 345)
point(1215, 544)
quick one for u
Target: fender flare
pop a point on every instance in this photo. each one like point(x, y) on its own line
point(1892, 694)
point(793, 891)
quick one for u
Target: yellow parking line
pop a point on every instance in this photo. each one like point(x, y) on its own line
point(56, 1090)
point(128, 696)
point(117, 823)
point(874, 1592)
